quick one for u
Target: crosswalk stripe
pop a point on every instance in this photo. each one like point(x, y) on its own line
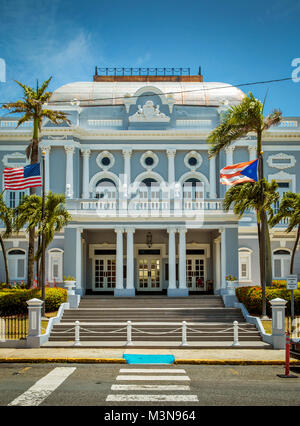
point(37, 393)
point(152, 370)
point(152, 398)
point(150, 387)
point(157, 378)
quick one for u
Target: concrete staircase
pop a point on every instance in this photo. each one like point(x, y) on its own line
point(206, 314)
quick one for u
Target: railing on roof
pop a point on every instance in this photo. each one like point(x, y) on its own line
point(143, 71)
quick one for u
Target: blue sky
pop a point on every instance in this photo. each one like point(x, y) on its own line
point(233, 41)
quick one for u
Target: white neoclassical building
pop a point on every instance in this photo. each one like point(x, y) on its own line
point(145, 199)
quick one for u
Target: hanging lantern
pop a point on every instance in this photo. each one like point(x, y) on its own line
point(149, 239)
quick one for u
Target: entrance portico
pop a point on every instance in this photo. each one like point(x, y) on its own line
point(127, 260)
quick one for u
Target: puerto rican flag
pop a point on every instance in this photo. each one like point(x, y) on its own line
point(239, 173)
point(19, 178)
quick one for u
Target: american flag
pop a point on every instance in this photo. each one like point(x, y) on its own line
point(239, 173)
point(19, 178)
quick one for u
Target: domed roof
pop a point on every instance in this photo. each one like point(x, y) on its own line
point(179, 93)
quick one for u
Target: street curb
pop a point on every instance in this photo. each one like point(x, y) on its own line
point(123, 361)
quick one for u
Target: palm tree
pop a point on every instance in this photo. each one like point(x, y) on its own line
point(6, 216)
point(32, 108)
point(236, 123)
point(289, 209)
point(246, 197)
point(56, 216)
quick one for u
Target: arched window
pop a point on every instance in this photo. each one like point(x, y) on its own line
point(106, 189)
point(281, 263)
point(55, 268)
point(193, 189)
point(16, 259)
point(245, 264)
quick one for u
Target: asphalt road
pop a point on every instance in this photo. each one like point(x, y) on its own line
point(114, 385)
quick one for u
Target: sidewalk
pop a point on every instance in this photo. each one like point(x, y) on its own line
point(114, 355)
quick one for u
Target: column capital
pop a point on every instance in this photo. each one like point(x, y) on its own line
point(46, 148)
point(171, 229)
point(182, 229)
point(85, 152)
point(119, 229)
point(127, 152)
point(129, 230)
point(69, 148)
point(171, 152)
point(229, 149)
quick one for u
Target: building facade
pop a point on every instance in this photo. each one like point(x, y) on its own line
point(145, 199)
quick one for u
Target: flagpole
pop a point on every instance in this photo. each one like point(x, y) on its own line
point(43, 236)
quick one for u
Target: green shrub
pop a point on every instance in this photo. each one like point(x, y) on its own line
point(251, 297)
point(14, 301)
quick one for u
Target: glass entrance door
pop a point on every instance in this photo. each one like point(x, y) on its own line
point(104, 273)
point(149, 276)
point(196, 273)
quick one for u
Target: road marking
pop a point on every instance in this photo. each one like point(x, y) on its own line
point(37, 393)
point(149, 387)
point(152, 398)
point(152, 370)
point(157, 378)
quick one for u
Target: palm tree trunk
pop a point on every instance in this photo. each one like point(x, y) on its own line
point(34, 159)
point(5, 260)
point(262, 252)
point(294, 250)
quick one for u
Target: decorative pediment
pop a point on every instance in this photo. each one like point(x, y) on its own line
point(149, 113)
point(281, 161)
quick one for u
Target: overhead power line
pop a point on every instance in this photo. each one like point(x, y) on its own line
point(203, 89)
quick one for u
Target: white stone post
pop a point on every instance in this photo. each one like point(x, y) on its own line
point(129, 333)
point(86, 173)
point(34, 322)
point(278, 323)
point(212, 178)
point(69, 170)
point(184, 334)
point(119, 263)
point(77, 334)
point(235, 334)
point(182, 262)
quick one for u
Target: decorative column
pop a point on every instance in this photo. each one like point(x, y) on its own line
point(47, 149)
point(69, 170)
point(217, 265)
point(229, 155)
point(78, 260)
point(171, 165)
point(212, 178)
point(127, 166)
point(182, 263)
point(172, 289)
point(252, 152)
point(119, 290)
point(130, 290)
point(223, 258)
point(86, 173)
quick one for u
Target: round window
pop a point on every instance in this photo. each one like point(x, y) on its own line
point(149, 161)
point(105, 161)
point(192, 161)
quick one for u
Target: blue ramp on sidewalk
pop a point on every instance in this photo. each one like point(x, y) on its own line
point(148, 359)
